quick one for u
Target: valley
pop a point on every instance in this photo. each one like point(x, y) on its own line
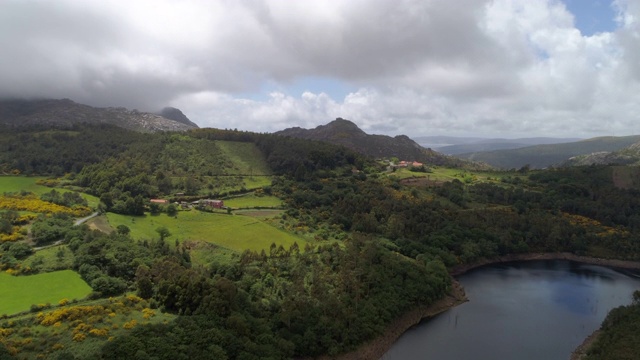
point(312, 240)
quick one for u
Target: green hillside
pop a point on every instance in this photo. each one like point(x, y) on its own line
point(542, 156)
point(19, 293)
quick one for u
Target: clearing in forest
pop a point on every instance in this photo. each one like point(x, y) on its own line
point(18, 293)
point(234, 232)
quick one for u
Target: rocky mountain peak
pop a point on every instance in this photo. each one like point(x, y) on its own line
point(172, 113)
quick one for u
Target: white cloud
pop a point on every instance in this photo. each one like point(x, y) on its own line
point(492, 67)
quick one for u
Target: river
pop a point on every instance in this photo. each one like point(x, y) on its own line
point(520, 311)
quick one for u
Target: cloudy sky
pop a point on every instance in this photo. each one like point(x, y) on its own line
point(507, 68)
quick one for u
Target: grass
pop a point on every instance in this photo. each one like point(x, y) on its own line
point(20, 183)
point(234, 232)
point(246, 157)
point(448, 174)
point(50, 259)
point(18, 293)
point(255, 182)
point(252, 201)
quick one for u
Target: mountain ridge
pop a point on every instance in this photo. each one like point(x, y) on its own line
point(346, 133)
point(543, 156)
point(66, 112)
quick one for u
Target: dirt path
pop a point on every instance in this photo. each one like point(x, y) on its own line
point(82, 220)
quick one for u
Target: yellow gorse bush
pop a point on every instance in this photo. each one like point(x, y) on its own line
point(32, 203)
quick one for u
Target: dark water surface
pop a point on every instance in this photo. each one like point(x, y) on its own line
point(519, 311)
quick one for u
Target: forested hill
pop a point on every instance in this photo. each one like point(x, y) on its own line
point(346, 133)
point(66, 113)
point(542, 156)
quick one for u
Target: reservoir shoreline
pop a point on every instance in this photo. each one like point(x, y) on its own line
point(376, 348)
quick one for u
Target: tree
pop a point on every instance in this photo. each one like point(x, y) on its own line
point(172, 210)
point(163, 232)
point(123, 230)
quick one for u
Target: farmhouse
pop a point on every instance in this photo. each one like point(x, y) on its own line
point(159, 201)
point(216, 204)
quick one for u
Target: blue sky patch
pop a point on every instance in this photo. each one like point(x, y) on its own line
point(592, 16)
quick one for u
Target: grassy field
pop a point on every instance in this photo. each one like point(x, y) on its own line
point(252, 201)
point(234, 232)
point(19, 183)
point(18, 293)
point(246, 157)
point(447, 174)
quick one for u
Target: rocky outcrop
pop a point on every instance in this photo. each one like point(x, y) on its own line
point(172, 113)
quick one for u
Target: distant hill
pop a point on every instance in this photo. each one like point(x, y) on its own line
point(65, 112)
point(542, 156)
point(451, 145)
point(346, 133)
point(627, 156)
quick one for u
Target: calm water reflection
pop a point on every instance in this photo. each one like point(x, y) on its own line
point(526, 310)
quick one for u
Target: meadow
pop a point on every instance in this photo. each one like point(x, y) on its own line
point(10, 184)
point(441, 174)
point(252, 201)
point(19, 183)
point(246, 157)
point(18, 293)
point(234, 232)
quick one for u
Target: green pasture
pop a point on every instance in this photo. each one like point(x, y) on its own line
point(18, 293)
point(449, 174)
point(252, 201)
point(28, 183)
point(18, 183)
point(246, 157)
point(234, 232)
point(256, 182)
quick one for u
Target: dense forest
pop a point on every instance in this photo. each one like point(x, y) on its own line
point(384, 246)
point(620, 334)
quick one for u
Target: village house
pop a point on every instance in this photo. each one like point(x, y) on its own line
point(159, 201)
point(215, 204)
